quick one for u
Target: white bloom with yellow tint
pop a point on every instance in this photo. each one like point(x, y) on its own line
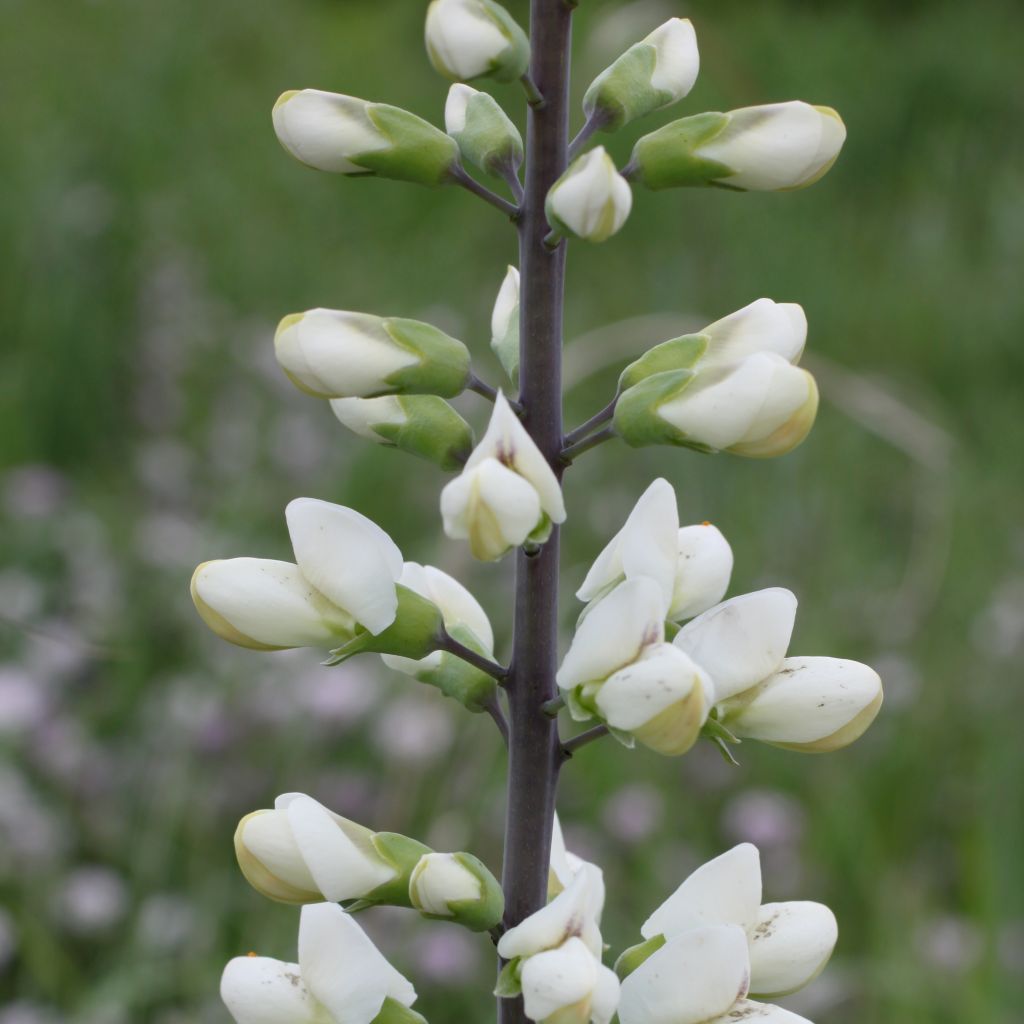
point(341, 978)
point(507, 492)
point(591, 200)
point(345, 576)
point(813, 705)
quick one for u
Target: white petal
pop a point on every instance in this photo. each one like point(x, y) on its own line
point(808, 700)
point(788, 390)
point(491, 506)
point(726, 890)
point(593, 200)
point(776, 146)
point(348, 558)
point(557, 978)
point(463, 38)
point(507, 441)
point(789, 946)
point(694, 977)
point(455, 106)
point(325, 129)
point(645, 546)
point(439, 879)
point(741, 641)
point(269, 838)
point(361, 415)
point(505, 306)
point(267, 602)
point(564, 864)
point(342, 863)
point(338, 354)
point(661, 677)
point(343, 969)
point(759, 1013)
point(615, 632)
point(763, 326)
point(574, 911)
point(605, 1000)
point(259, 990)
point(677, 61)
point(458, 606)
point(703, 569)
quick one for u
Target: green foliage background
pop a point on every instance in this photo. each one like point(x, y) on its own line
point(154, 232)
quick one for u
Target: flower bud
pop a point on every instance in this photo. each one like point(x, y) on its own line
point(505, 325)
point(456, 886)
point(651, 74)
point(507, 493)
point(333, 354)
point(732, 387)
point(568, 985)
point(470, 38)
point(422, 425)
point(813, 705)
point(771, 148)
point(486, 136)
point(345, 135)
point(591, 200)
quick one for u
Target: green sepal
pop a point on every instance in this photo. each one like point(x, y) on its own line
point(636, 418)
point(489, 139)
point(541, 532)
point(443, 367)
point(510, 982)
point(417, 631)
point(432, 430)
point(419, 151)
point(402, 854)
point(667, 158)
point(474, 689)
point(627, 739)
point(671, 631)
point(483, 913)
point(582, 708)
point(678, 354)
point(393, 1012)
point(633, 957)
point(623, 91)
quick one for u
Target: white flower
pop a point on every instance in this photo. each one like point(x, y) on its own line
point(301, 852)
point(506, 493)
point(570, 982)
point(332, 353)
point(651, 74)
point(748, 396)
point(341, 978)
point(591, 200)
point(505, 324)
point(469, 38)
point(788, 943)
point(439, 879)
point(776, 146)
point(458, 607)
point(346, 575)
point(808, 704)
point(692, 565)
point(345, 135)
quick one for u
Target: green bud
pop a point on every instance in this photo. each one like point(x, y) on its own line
point(474, 689)
point(678, 354)
point(422, 425)
point(636, 412)
point(486, 136)
point(443, 367)
point(668, 158)
point(457, 887)
point(633, 957)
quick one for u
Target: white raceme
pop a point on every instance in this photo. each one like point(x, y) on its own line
point(467, 39)
point(591, 200)
point(345, 577)
point(808, 704)
point(300, 852)
point(507, 492)
point(341, 978)
point(692, 565)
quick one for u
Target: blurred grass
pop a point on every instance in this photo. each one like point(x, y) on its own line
point(154, 234)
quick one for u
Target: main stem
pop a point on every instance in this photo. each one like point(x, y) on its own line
point(534, 752)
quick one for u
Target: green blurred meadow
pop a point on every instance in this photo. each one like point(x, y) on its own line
point(154, 232)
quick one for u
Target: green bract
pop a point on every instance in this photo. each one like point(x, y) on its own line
point(666, 158)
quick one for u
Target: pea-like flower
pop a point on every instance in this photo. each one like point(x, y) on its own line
point(506, 495)
point(651, 74)
point(341, 978)
point(692, 565)
point(770, 148)
point(468, 39)
point(735, 386)
point(591, 200)
point(345, 135)
point(330, 353)
point(813, 705)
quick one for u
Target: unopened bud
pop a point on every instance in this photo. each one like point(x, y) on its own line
point(471, 38)
point(591, 200)
point(486, 136)
point(505, 325)
point(456, 886)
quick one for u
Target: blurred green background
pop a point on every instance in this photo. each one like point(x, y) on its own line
point(154, 232)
